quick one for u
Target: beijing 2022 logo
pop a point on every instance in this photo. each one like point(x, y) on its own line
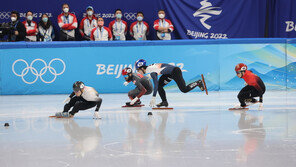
point(38, 68)
point(205, 12)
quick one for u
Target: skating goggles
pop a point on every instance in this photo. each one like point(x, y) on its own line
point(238, 72)
point(76, 90)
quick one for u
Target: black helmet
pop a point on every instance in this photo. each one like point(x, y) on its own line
point(77, 86)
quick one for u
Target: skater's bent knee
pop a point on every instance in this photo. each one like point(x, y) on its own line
point(240, 96)
point(129, 93)
point(184, 90)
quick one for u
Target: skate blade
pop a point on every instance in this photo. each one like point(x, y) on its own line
point(133, 106)
point(204, 83)
point(162, 108)
point(53, 116)
point(245, 109)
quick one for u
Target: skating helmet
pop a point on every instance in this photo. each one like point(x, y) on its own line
point(140, 63)
point(241, 67)
point(77, 86)
point(126, 71)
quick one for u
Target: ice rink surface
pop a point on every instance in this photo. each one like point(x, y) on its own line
point(200, 131)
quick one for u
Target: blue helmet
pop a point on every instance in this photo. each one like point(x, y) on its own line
point(140, 63)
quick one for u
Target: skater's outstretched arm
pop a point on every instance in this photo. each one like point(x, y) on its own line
point(72, 95)
point(69, 98)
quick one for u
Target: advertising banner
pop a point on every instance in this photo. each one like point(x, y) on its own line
point(192, 19)
point(51, 69)
point(282, 19)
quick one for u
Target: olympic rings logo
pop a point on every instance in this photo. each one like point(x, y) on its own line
point(37, 74)
point(130, 16)
point(4, 15)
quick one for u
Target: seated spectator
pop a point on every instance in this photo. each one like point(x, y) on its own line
point(68, 23)
point(118, 27)
point(101, 33)
point(88, 23)
point(46, 32)
point(163, 26)
point(19, 31)
point(31, 27)
point(139, 29)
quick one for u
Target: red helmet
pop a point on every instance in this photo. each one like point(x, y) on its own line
point(126, 71)
point(241, 67)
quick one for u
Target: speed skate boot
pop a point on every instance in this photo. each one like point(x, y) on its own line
point(200, 85)
point(251, 101)
point(63, 114)
point(197, 83)
point(138, 102)
point(129, 104)
point(163, 104)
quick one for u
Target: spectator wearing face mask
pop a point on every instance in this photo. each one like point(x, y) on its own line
point(118, 27)
point(68, 23)
point(46, 32)
point(163, 26)
point(139, 29)
point(101, 33)
point(19, 29)
point(88, 23)
point(31, 27)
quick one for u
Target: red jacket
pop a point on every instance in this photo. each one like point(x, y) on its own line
point(32, 29)
point(69, 23)
point(86, 25)
point(253, 80)
point(97, 36)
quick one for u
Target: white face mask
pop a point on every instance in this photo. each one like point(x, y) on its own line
point(13, 18)
point(118, 16)
point(66, 10)
point(139, 18)
point(161, 16)
point(29, 18)
point(44, 19)
point(90, 13)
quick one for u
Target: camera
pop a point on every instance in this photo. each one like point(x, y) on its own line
point(7, 32)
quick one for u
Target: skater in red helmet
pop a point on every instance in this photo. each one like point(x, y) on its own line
point(143, 86)
point(254, 88)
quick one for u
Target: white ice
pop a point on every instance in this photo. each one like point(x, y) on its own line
point(200, 131)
